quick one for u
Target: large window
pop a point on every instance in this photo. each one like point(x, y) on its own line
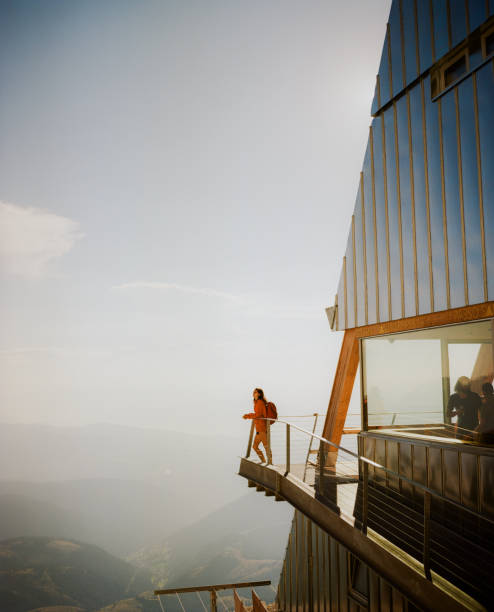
point(430, 381)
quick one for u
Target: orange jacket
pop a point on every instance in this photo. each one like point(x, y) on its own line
point(258, 414)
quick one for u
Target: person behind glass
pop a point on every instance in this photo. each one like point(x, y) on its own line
point(260, 423)
point(486, 415)
point(465, 404)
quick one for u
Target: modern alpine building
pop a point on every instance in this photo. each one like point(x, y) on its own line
point(404, 518)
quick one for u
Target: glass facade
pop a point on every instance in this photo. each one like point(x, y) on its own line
point(431, 382)
point(422, 239)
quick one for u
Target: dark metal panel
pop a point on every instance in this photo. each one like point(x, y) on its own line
point(375, 100)
point(487, 485)
point(409, 40)
point(384, 72)
point(360, 275)
point(398, 601)
point(451, 476)
point(386, 596)
point(452, 197)
point(343, 577)
point(373, 591)
point(381, 217)
point(435, 201)
point(473, 235)
point(370, 243)
point(340, 324)
point(470, 481)
point(397, 76)
point(434, 469)
point(380, 457)
point(335, 606)
point(458, 17)
point(425, 36)
point(393, 213)
point(440, 20)
point(485, 90)
point(406, 207)
point(350, 280)
point(419, 468)
point(405, 467)
point(420, 201)
point(477, 13)
point(392, 463)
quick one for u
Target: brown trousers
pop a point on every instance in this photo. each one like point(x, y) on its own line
point(261, 437)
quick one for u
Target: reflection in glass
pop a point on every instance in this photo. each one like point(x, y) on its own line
point(409, 42)
point(476, 13)
point(485, 89)
point(395, 44)
point(407, 221)
point(382, 259)
point(369, 237)
point(440, 17)
point(359, 260)
point(350, 286)
point(394, 227)
point(410, 378)
point(458, 21)
point(471, 204)
point(452, 196)
point(435, 202)
point(425, 35)
point(421, 225)
point(384, 85)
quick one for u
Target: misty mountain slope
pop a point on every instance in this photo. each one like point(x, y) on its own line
point(22, 515)
point(121, 488)
point(41, 572)
point(118, 515)
point(244, 538)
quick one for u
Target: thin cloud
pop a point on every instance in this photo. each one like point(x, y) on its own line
point(31, 238)
point(183, 288)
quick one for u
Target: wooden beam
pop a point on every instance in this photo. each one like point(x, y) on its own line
point(342, 387)
point(213, 587)
point(433, 319)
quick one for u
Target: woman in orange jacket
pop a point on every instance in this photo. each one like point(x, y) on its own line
point(259, 416)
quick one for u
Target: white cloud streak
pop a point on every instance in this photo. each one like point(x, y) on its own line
point(31, 238)
point(183, 288)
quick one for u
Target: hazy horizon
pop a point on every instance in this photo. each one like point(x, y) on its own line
point(178, 180)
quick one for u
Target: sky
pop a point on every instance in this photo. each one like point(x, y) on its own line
point(177, 180)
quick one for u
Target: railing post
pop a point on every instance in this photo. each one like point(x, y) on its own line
point(310, 445)
point(213, 600)
point(251, 437)
point(287, 449)
point(427, 516)
point(365, 495)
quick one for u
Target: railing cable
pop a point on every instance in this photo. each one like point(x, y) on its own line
point(161, 604)
point(200, 599)
point(180, 602)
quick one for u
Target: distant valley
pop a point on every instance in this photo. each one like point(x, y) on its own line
point(169, 505)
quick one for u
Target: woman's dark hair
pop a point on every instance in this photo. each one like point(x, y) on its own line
point(261, 394)
point(487, 389)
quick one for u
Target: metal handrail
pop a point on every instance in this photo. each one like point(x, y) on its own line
point(374, 464)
